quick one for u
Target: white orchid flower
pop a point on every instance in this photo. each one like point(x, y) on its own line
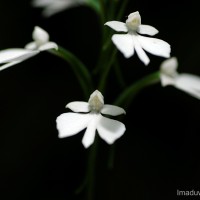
point(132, 41)
point(14, 56)
point(52, 7)
point(90, 117)
point(186, 82)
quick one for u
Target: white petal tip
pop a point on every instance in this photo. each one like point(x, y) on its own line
point(127, 56)
point(86, 145)
point(60, 136)
point(146, 63)
point(48, 46)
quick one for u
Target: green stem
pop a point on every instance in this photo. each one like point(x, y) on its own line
point(111, 157)
point(132, 90)
point(107, 68)
point(88, 183)
point(91, 170)
point(106, 40)
point(103, 10)
point(122, 8)
point(95, 6)
point(129, 93)
point(78, 67)
point(119, 74)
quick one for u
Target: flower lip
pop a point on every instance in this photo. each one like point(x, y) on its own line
point(133, 21)
point(96, 101)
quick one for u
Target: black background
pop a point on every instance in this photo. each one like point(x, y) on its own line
point(159, 153)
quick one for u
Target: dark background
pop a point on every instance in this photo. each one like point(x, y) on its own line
point(159, 153)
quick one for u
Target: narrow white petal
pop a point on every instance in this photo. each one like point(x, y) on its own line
point(49, 11)
point(31, 46)
point(78, 106)
point(59, 6)
point(69, 124)
point(90, 132)
point(147, 30)
point(47, 46)
point(52, 10)
point(40, 35)
point(5, 66)
point(140, 52)
point(52, 7)
point(117, 26)
point(10, 55)
point(110, 130)
point(42, 3)
point(124, 43)
point(155, 46)
point(189, 84)
point(112, 110)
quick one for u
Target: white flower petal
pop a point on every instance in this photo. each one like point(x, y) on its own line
point(52, 7)
point(140, 52)
point(49, 11)
point(69, 124)
point(47, 46)
point(5, 66)
point(169, 66)
point(112, 110)
point(78, 106)
point(117, 26)
point(31, 46)
point(147, 30)
point(155, 46)
point(40, 36)
point(124, 43)
point(167, 80)
point(10, 55)
point(189, 84)
point(90, 132)
point(110, 130)
point(42, 3)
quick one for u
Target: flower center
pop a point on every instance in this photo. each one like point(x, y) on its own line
point(133, 21)
point(96, 101)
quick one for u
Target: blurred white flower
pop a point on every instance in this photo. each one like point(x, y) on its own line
point(40, 43)
point(69, 124)
point(127, 43)
point(52, 7)
point(185, 82)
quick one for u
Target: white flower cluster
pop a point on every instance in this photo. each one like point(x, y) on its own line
point(89, 115)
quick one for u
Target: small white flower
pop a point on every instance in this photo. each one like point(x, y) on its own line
point(16, 55)
point(69, 124)
point(52, 7)
point(186, 82)
point(40, 41)
point(127, 43)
